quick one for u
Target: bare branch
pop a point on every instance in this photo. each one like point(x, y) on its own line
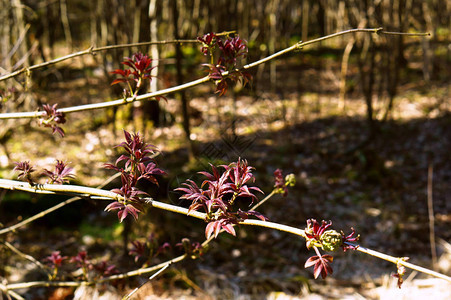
point(85, 191)
point(118, 102)
point(90, 50)
point(26, 256)
point(150, 278)
point(52, 209)
point(93, 50)
point(13, 294)
point(400, 261)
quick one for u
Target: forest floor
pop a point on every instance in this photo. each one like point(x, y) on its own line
point(378, 189)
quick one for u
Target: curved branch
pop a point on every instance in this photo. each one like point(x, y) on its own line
point(85, 191)
point(118, 102)
point(92, 50)
point(26, 256)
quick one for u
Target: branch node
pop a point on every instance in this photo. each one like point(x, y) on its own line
point(299, 46)
point(91, 50)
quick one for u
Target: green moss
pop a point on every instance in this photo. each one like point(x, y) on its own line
point(106, 233)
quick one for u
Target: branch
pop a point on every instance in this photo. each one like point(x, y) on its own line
point(81, 191)
point(150, 278)
point(118, 102)
point(92, 50)
point(8, 293)
point(400, 261)
point(108, 195)
point(26, 256)
point(52, 209)
point(138, 272)
point(12, 184)
point(21, 285)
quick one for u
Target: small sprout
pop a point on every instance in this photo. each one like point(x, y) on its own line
point(314, 231)
point(82, 261)
point(290, 180)
point(61, 174)
point(331, 240)
point(146, 251)
point(230, 50)
point(139, 69)
point(319, 236)
point(52, 118)
point(192, 249)
point(55, 260)
point(348, 240)
point(401, 271)
point(25, 169)
point(281, 184)
point(208, 42)
point(104, 269)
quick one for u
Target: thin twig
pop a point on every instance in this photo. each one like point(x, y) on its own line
point(82, 191)
point(26, 256)
point(118, 102)
point(405, 33)
point(261, 202)
point(150, 278)
point(431, 217)
point(113, 103)
point(85, 191)
point(21, 285)
point(399, 260)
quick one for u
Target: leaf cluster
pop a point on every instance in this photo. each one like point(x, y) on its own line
point(230, 49)
point(218, 193)
point(53, 118)
point(138, 165)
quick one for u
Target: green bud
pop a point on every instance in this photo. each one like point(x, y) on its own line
point(279, 191)
point(290, 180)
point(331, 240)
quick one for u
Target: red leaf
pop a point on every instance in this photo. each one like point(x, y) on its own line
point(116, 81)
point(310, 261)
point(209, 229)
point(122, 214)
point(229, 229)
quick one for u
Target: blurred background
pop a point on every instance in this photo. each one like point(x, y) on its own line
point(362, 120)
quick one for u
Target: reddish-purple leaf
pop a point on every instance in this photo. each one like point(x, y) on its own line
point(210, 229)
point(321, 265)
point(229, 228)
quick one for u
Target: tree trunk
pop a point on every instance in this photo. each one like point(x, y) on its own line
point(182, 94)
